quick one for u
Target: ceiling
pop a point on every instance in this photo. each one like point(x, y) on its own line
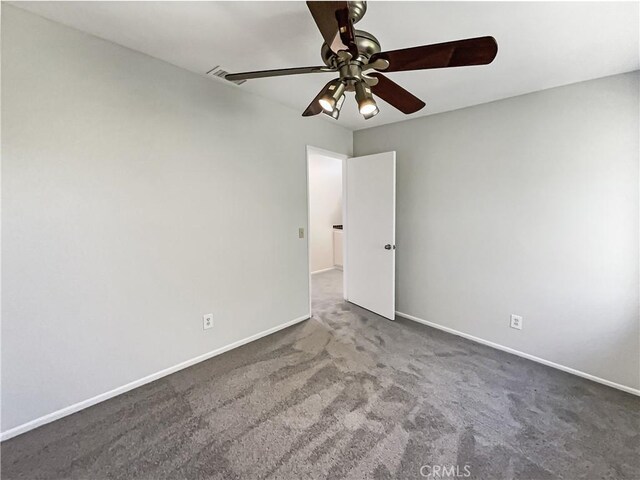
point(541, 44)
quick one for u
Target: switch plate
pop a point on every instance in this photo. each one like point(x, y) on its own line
point(301, 232)
point(516, 322)
point(207, 321)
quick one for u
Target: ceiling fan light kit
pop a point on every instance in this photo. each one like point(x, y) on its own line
point(335, 113)
point(332, 94)
point(366, 104)
point(357, 58)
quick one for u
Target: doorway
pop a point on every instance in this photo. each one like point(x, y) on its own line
point(351, 229)
point(325, 187)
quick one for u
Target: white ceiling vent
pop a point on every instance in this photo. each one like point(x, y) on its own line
point(219, 72)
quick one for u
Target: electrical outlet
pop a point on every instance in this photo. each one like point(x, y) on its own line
point(207, 321)
point(516, 322)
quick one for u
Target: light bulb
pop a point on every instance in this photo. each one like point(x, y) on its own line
point(331, 94)
point(366, 103)
point(367, 108)
point(326, 104)
point(372, 114)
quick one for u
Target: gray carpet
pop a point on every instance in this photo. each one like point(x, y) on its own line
point(346, 394)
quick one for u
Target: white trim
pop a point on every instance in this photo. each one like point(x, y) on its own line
point(323, 270)
point(497, 346)
point(345, 229)
point(76, 407)
point(327, 153)
point(307, 151)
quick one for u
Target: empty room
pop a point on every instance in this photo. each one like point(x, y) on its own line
point(320, 240)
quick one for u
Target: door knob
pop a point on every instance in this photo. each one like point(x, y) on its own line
point(388, 246)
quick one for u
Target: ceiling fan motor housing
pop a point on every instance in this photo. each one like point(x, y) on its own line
point(351, 68)
point(357, 10)
point(367, 45)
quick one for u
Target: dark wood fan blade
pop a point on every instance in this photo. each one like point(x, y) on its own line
point(472, 51)
point(346, 31)
point(335, 25)
point(395, 95)
point(314, 107)
point(276, 73)
point(324, 14)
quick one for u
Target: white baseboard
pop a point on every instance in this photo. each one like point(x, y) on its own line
point(497, 346)
point(76, 407)
point(323, 270)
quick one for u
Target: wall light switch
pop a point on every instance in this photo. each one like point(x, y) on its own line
point(301, 232)
point(516, 322)
point(207, 321)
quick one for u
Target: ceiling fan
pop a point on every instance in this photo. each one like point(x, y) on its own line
point(358, 59)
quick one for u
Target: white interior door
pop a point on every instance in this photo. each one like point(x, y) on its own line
point(370, 228)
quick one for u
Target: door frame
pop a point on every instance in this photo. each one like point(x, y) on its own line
point(343, 159)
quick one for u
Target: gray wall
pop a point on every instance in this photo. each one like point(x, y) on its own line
point(136, 198)
point(529, 206)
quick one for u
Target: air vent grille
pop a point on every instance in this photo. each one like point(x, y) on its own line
point(219, 72)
